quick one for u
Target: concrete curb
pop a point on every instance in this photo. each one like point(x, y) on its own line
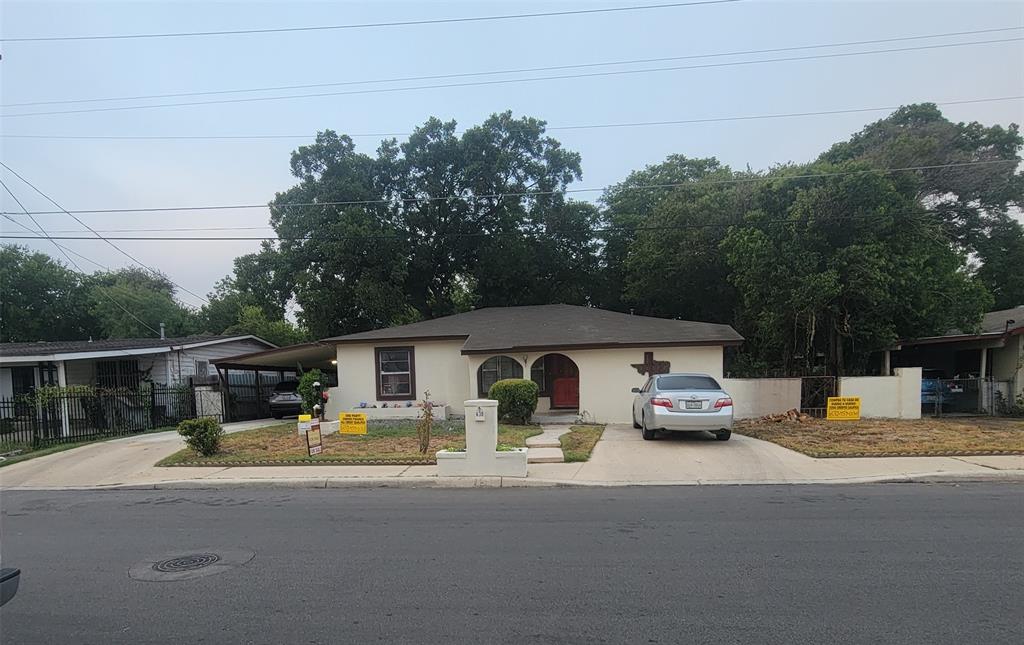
point(1008, 476)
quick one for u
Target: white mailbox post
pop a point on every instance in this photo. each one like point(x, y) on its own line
point(481, 457)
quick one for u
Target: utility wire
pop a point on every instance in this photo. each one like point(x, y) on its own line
point(593, 126)
point(77, 219)
point(366, 25)
point(633, 124)
point(513, 80)
point(76, 265)
point(62, 248)
point(616, 229)
point(520, 70)
point(535, 193)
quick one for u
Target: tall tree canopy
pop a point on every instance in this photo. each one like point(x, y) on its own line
point(40, 298)
point(975, 200)
point(432, 225)
point(832, 269)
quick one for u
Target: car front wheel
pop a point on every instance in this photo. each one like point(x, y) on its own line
point(636, 426)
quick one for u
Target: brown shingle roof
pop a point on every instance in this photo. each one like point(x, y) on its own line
point(552, 326)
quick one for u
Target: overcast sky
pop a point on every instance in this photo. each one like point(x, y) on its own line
point(83, 174)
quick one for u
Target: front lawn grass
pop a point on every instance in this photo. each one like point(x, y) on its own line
point(893, 437)
point(579, 442)
point(385, 442)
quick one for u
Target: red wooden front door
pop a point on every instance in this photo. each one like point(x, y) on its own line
point(566, 392)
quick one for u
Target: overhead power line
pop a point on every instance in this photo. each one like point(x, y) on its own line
point(615, 229)
point(506, 81)
point(520, 70)
point(532, 193)
point(61, 248)
point(367, 25)
point(594, 126)
point(79, 220)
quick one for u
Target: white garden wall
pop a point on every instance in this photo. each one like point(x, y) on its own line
point(756, 397)
point(893, 397)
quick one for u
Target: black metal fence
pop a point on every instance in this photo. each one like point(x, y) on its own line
point(58, 415)
point(814, 394)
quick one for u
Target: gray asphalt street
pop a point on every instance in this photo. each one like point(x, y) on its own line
point(900, 563)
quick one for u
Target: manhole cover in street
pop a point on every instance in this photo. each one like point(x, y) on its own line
point(173, 567)
point(187, 562)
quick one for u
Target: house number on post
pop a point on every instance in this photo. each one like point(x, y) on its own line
point(479, 414)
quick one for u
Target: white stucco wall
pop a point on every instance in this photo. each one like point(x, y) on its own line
point(440, 368)
point(893, 397)
point(756, 397)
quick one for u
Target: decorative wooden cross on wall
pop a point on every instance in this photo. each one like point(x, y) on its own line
point(650, 367)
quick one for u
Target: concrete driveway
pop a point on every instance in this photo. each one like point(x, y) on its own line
point(108, 463)
point(622, 456)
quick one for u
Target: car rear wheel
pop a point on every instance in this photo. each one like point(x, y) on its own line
point(278, 415)
point(723, 435)
point(645, 431)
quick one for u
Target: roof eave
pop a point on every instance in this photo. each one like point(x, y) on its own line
point(579, 346)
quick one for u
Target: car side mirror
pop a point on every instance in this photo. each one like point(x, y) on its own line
point(635, 390)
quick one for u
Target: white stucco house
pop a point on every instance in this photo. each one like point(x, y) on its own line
point(584, 359)
point(123, 362)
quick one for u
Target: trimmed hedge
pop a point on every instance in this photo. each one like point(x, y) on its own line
point(517, 399)
point(202, 435)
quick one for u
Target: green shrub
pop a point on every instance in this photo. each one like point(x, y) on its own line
point(202, 435)
point(306, 390)
point(517, 399)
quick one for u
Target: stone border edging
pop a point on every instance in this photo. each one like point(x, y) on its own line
point(927, 453)
point(304, 462)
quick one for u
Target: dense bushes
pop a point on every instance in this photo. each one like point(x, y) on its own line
point(517, 399)
point(202, 435)
point(307, 391)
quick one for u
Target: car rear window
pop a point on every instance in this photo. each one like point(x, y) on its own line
point(286, 386)
point(687, 383)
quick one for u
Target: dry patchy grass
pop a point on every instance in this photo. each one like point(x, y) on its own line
point(392, 442)
point(579, 442)
point(889, 437)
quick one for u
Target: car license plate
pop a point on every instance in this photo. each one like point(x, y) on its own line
point(693, 405)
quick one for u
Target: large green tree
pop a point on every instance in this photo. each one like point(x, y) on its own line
point(431, 225)
point(832, 269)
point(41, 299)
point(975, 193)
point(149, 296)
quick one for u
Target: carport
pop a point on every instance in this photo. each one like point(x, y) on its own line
point(249, 379)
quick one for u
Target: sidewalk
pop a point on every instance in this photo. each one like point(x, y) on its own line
point(621, 458)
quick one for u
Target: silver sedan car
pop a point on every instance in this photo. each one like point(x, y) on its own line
point(686, 402)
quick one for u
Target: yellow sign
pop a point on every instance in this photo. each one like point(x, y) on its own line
point(305, 420)
point(352, 423)
point(843, 408)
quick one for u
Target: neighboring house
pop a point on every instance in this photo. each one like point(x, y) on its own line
point(583, 359)
point(996, 351)
point(124, 362)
